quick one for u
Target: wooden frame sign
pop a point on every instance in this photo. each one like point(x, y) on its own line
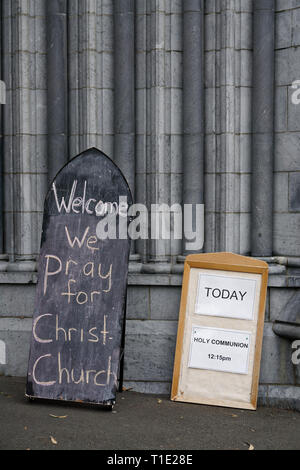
point(220, 330)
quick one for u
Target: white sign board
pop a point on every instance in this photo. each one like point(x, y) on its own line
point(220, 330)
point(225, 296)
point(220, 350)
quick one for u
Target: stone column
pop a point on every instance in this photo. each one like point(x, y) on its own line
point(91, 76)
point(124, 112)
point(228, 127)
point(57, 83)
point(3, 257)
point(193, 100)
point(263, 128)
point(159, 115)
point(124, 99)
point(25, 128)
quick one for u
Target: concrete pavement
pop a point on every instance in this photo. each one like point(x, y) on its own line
point(139, 422)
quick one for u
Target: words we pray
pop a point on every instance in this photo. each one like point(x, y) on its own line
point(225, 294)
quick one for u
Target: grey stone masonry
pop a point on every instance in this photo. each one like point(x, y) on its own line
point(197, 102)
point(287, 130)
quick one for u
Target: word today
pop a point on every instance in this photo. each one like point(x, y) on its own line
point(225, 294)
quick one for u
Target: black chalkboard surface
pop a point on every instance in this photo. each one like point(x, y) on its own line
point(78, 321)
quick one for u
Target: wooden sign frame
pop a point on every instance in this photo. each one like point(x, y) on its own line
point(219, 262)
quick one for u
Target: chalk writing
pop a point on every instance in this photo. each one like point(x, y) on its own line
point(79, 314)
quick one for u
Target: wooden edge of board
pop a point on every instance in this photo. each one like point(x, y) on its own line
point(109, 404)
point(259, 337)
point(223, 261)
point(225, 404)
point(180, 331)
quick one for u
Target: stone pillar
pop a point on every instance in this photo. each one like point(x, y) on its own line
point(124, 112)
point(263, 128)
point(91, 77)
point(3, 257)
point(193, 100)
point(25, 129)
point(57, 84)
point(159, 115)
point(228, 90)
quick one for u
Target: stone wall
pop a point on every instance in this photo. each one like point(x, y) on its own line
point(181, 117)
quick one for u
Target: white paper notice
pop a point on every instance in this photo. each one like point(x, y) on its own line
point(220, 350)
point(225, 296)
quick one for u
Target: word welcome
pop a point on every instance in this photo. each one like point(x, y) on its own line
point(80, 204)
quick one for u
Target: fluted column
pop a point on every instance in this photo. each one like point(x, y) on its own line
point(91, 76)
point(263, 128)
point(228, 126)
point(164, 119)
point(25, 128)
point(57, 83)
point(124, 112)
point(3, 257)
point(193, 101)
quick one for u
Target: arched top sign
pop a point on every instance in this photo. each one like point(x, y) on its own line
point(81, 293)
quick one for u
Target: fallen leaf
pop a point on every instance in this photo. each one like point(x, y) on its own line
point(126, 389)
point(59, 417)
point(25, 428)
point(251, 447)
point(159, 401)
point(54, 441)
point(234, 416)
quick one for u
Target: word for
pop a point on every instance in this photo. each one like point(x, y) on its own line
point(219, 342)
point(71, 334)
point(100, 378)
point(82, 297)
point(225, 294)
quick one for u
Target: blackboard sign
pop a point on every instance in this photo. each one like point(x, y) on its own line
point(78, 322)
